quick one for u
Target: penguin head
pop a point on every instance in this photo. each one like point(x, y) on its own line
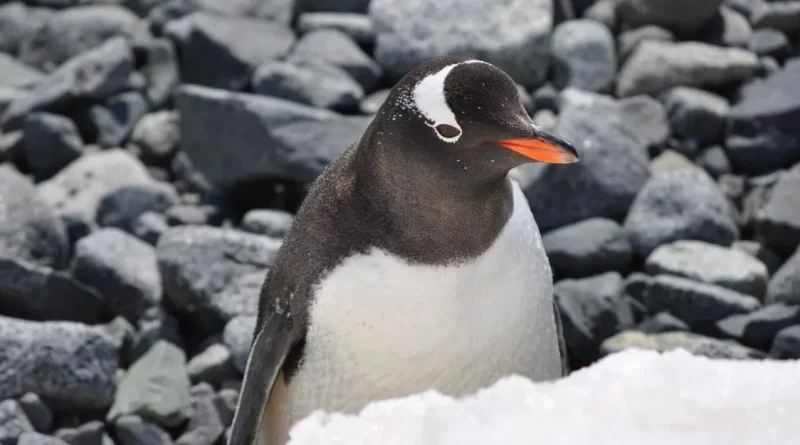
point(469, 116)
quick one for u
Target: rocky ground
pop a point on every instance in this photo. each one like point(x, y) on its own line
point(153, 151)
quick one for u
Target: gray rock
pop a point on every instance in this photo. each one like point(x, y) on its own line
point(72, 31)
point(613, 166)
point(669, 160)
point(682, 17)
point(657, 66)
point(337, 6)
point(679, 204)
point(592, 309)
point(16, 74)
point(211, 274)
point(12, 144)
point(122, 333)
point(149, 227)
point(237, 336)
point(51, 142)
point(225, 402)
point(778, 224)
point(39, 439)
point(696, 114)
point(133, 430)
point(627, 41)
point(662, 322)
point(709, 263)
point(546, 97)
point(29, 229)
point(19, 23)
point(781, 15)
point(90, 433)
point(92, 75)
point(762, 253)
point(545, 119)
point(784, 287)
point(762, 135)
point(758, 329)
point(264, 136)
point(513, 35)
point(37, 412)
point(205, 426)
point(161, 72)
point(31, 291)
point(584, 56)
point(69, 364)
point(336, 48)
point(694, 302)
point(274, 223)
point(156, 137)
point(197, 215)
point(586, 248)
point(155, 325)
point(212, 365)
point(113, 121)
point(121, 207)
point(728, 28)
point(373, 102)
point(156, 388)
point(316, 84)
point(714, 160)
point(695, 344)
point(222, 51)
point(770, 43)
point(358, 27)
point(123, 268)
point(605, 12)
point(786, 344)
point(75, 192)
point(13, 422)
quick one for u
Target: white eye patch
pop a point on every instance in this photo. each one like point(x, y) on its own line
point(429, 99)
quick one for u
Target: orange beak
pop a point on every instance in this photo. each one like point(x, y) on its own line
point(544, 147)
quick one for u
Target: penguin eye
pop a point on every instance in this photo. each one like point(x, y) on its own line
point(447, 131)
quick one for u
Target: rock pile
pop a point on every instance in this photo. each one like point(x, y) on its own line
point(152, 153)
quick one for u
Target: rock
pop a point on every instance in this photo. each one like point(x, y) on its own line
point(728, 28)
point(225, 402)
point(613, 167)
point(90, 433)
point(123, 268)
point(16, 74)
point(657, 66)
point(680, 204)
point(51, 142)
point(205, 426)
point(75, 30)
point(121, 207)
point(133, 430)
point(586, 248)
point(237, 336)
point(546, 97)
point(19, 23)
point(762, 135)
point(149, 227)
point(709, 263)
point(265, 137)
point(695, 344)
point(696, 114)
point(545, 119)
point(29, 229)
point(316, 84)
point(592, 309)
point(13, 422)
point(12, 144)
point(37, 412)
point(584, 56)
point(758, 329)
point(76, 191)
point(662, 322)
point(694, 302)
point(784, 287)
point(92, 75)
point(358, 27)
point(161, 72)
point(69, 364)
point(769, 42)
point(203, 269)
point(222, 51)
point(760, 252)
point(336, 48)
point(669, 160)
point(778, 224)
point(156, 137)
point(781, 15)
point(630, 39)
point(113, 121)
point(196, 215)
point(156, 388)
point(274, 223)
point(513, 35)
point(372, 103)
point(714, 161)
point(338, 6)
point(155, 325)
point(39, 439)
point(786, 344)
point(35, 292)
point(122, 334)
point(603, 11)
point(212, 365)
point(683, 17)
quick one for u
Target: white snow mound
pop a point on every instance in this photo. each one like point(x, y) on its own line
point(630, 398)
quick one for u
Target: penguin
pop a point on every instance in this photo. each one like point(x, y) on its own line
point(414, 262)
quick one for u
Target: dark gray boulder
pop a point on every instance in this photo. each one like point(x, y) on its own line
point(586, 248)
point(758, 329)
point(51, 142)
point(784, 287)
point(778, 222)
point(683, 16)
point(317, 84)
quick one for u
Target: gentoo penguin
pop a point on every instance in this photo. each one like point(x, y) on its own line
point(414, 262)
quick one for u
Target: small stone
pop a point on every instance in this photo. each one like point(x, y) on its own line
point(16, 74)
point(161, 72)
point(781, 15)
point(636, 285)
point(121, 207)
point(682, 16)
point(669, 160)
point(662, 322)
point(193, 215)
point(728, 28)
point(212, 365)
point(627, 41)
point(268, 222)
point(149, 227)
point(697, 115)
point(156, 137)
point(122, 332)
point(90, 433)
point(358, 27)
point(784, 287)
point(762, 253)
point(237, 336)
point(586, 248)
point(769, 42)
point(37, 412)
point(758, 329)
point(12, 143)
point(13, 422)
point(603, 11)
point(336, 48)
point(778, 224)
point(39, 439)
point(19, 23)
point(584, 56)
point(359, 6)
point(714, 161)
point(786, 345)
point(546, 98)
point(133, 430)
point(51, 142)
point(205, 426)
point(226, 401)
point(693, 343)
point(156, 388)
point(316, 84)
point(155, 325)
point(113, 121)
point(372, 103)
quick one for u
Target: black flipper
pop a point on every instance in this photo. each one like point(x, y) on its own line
point(562, 344)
